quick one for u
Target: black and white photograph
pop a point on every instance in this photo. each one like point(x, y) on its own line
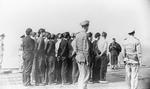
point(74, 44)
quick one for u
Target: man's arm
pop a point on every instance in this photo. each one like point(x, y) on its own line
point(104, 49)
point(139, 52)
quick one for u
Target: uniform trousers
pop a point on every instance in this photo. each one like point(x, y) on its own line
point(84, 73)
point(27, 66)
point(132, 75)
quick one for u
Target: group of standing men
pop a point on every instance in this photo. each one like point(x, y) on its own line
point(65, 58)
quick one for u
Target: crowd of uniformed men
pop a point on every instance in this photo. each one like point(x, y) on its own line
point(66, 58)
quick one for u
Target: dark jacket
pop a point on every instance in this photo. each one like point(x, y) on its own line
point(114, 48)
point(96, 51)
point(40, 45)
point(51, 48)
point(63, 50)
point(28, 44)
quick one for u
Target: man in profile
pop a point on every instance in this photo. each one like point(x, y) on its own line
point(28, 56)
point(82, 51)
point(102, 46)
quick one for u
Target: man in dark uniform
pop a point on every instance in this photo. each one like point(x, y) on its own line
point(114, 49)
point(51, 60)
point(41, 56)
point(96, 59)
point(63, 55)
point(28, 56)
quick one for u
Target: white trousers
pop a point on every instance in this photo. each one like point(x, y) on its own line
point(84, 74)
point(132, 75)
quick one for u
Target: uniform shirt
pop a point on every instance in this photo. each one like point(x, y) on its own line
point(102, 45)
point(82, 42)
point(28, 44)
point(82, 47)
point(132, 47)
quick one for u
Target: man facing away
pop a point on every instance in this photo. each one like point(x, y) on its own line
point(82, 51)
point(132, 57)
point(28, 56)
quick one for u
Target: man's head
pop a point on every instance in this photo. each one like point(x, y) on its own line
point(73, 35)
point(104, 34)
point(85, 25)
point(48, 35)
point(52, 36)
point(33, 34)
point(67, 35)
point(2, 36)
point(131, 33)
point(114, 39)
point(41, 31)
point(60, 35)
point(90, 36)
point(28, 31)
point(97, 35)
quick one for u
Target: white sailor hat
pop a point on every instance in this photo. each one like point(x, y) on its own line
point(86, 22)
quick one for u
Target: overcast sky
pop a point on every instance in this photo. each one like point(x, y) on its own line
point(116, 17)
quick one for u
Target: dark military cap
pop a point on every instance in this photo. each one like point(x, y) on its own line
point(90, 34)
point(131, 33)
point(97, 35)
point(28, 31)
point(85, 23)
